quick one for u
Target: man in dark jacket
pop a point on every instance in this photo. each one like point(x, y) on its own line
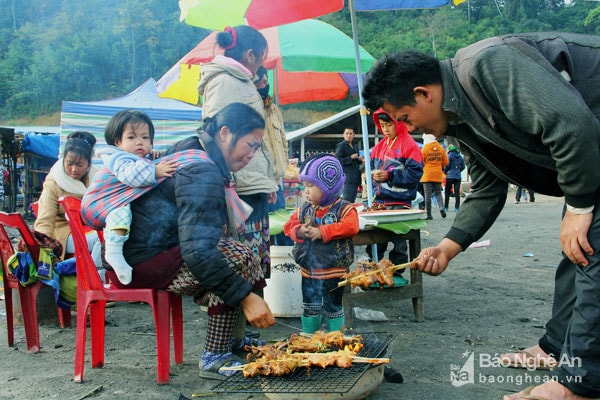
point(351, 161)
point(524, 109)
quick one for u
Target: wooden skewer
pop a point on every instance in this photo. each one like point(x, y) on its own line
point(344, 337)
point(355, 359)
point(392, 268)
point(236, 368)
point(370, 360)
point(303, 362)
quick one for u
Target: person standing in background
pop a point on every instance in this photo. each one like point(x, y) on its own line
point(274, 138)
point(276, 143)
point(434, 161)
point(351, 162)
point(522, 191)
point(456, 164)
point(227, 79)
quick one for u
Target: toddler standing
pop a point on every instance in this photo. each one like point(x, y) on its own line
point(322, 230)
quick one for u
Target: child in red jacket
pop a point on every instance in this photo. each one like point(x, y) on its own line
point(396, 169)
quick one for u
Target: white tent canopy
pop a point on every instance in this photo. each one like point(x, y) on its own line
point(312, 128)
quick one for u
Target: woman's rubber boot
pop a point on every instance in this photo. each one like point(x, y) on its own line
point(335, 324)
point(311, 324)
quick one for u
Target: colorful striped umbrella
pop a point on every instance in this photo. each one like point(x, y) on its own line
point(310, 61)
point(376, 5)
point(228, 17)
point(217, 14)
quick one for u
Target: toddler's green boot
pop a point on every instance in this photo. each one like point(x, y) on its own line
point(335, 324)
point(311, 324)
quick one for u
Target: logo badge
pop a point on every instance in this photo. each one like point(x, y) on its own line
point(462, 375)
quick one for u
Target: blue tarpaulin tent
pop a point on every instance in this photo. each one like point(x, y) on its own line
point(42, 144)
point(40, 152)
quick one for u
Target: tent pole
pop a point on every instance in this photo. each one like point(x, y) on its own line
point(363, 116)
point(363, 110)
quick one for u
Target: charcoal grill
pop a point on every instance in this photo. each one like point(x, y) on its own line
point(315, 380)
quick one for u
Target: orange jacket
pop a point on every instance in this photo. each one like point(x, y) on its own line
point(434, 161)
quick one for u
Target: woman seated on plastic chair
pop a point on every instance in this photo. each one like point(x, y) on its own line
point(69, 176)
point(180, 236)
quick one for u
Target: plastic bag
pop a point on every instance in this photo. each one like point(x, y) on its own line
point(366, 314)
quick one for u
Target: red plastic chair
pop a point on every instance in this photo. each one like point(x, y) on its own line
point(34, 208)
point(92, 294)
point(27, 294)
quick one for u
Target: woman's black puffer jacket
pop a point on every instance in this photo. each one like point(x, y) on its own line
point(189, 210)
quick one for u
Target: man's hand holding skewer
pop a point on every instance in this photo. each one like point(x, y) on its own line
point(434, 260)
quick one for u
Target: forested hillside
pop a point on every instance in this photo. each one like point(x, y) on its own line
point(86, 50)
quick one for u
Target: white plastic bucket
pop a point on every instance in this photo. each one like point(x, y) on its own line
point(284, 289)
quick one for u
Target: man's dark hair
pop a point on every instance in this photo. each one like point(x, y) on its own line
point(394, 76)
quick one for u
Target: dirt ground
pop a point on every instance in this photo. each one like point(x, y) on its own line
point(491, 300)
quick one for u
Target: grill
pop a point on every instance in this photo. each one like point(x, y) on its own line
point(313, 380)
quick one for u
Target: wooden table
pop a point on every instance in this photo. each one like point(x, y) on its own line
point(368, 236)
point(372, 297)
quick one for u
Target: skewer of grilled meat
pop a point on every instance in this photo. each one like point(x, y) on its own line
point(368, 273)
point(287, 364)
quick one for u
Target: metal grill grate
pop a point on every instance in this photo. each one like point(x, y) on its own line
point(313, 380)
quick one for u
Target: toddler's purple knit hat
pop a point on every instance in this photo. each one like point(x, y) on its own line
point(325, 172)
